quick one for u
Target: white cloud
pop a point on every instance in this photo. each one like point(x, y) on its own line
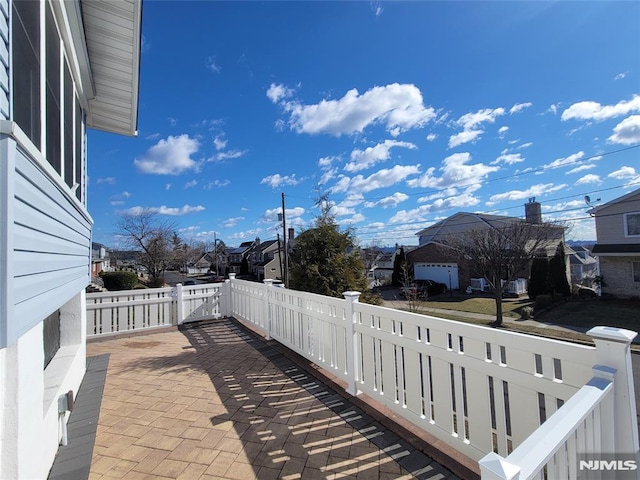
point(469, 123)
point(532, 191)
point(553, 108)
point(220, 142)
point(363, 159)
point(503, 130)
point(277, 180)
point(461, 201)
point(277, 92)
point(561, 162)
point(152, 136)
point(588, 179)
point(107, 180)
point(620, 76)
point(431, 137)
point(167, 186)
point(518, 107)
point(221, 156)
point(381, 179)
point(581, 168)
point(358, 217)
point(169, 157)
point(525, 145)
point(465, 136)
point(391, 201)
point(271, 215)
point(456, 171)
point(212, 65)
point(508, 158)
point(622, 173)
point(594, 111)
point(216, 183)
point(327, 176)
point(191, 184)
point(247, 234)
point(231, 222)
point(627, 132)
point(164, 210)
point(376, 8)
point(326, 162)
point(397, 107)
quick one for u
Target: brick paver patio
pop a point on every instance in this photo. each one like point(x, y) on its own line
point(216, 402)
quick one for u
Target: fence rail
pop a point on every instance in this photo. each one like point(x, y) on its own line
point(489, 393)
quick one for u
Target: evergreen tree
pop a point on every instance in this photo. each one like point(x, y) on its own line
point(558, 273)
point(538, 279)
point(326, 261)
point(398, 265)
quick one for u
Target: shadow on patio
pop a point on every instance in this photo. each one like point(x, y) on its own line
point(215, 401)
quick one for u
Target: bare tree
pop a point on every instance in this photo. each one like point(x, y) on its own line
point(146, 233)
point(501, 253)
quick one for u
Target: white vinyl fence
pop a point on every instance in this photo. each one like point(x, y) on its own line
point(129, 310)
point(522, 406)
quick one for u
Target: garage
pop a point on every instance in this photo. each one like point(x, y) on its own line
point(446, 273)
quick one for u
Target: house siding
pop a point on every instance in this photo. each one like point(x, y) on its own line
point(617, 274)
point(4, 59)
point(610, 222)
point(49, 244)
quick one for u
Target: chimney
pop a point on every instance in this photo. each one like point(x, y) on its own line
point(291, 233)
point(533, 211)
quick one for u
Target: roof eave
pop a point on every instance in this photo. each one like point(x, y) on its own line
point(113, 38)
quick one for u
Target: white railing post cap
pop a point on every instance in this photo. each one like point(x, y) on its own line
point(268, 281)
point(351, 294)
point(232, 276)
point(494, 467)
point(612, 334)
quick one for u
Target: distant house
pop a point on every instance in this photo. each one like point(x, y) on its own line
point(64, 67)
point(618, 244)
point(235, 257)
point(100, 260)
point(202, 264)
point(434, 260)
point(265, 261)
point(584, 267)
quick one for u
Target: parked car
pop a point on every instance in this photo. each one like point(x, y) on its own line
point(189, 282)
point(431, 287)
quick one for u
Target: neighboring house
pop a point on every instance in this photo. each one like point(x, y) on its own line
point(60, 64)
point(584, 267)
point(124, 259)
point(235, 257)
point(202, 265)
point(265, 261)
point(618, 244)
point(100, 261)
point(434, 260)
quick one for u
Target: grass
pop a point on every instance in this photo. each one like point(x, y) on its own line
point(584, 314)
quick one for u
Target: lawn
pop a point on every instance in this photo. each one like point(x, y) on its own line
point(581, 313)
point(485, 305)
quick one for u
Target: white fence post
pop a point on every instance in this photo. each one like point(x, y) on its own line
point(613, 351)
point(179, 304)
point(494, 467)
point(352, 342)
point(268, 283)
point(225, 299)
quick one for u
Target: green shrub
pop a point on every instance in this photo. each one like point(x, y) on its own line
point(542, 302)
point(114, 281)
point(526, 312)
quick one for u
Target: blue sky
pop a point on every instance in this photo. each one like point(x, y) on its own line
point(402, 112)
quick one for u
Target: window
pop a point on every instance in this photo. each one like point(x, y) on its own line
point(635, 268)
point(25, 39)
point(53, 92)
point(51, 336)
point(632, 224)
point(55, 127)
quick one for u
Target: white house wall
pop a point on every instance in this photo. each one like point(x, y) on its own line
point(4, 59)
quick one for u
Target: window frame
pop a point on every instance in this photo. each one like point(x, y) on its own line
point(635, 271)
point(626, 225)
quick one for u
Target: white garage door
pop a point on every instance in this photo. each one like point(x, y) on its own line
point(437, 271)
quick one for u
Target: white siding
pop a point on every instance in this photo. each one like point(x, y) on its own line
point(4, 59)
point(49, 244)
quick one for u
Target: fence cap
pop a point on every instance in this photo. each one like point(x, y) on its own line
point(498, 466)
point(612, 334)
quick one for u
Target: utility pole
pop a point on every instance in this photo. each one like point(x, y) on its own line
point(285, 274)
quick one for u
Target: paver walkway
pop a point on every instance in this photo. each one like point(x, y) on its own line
point(215, 402)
